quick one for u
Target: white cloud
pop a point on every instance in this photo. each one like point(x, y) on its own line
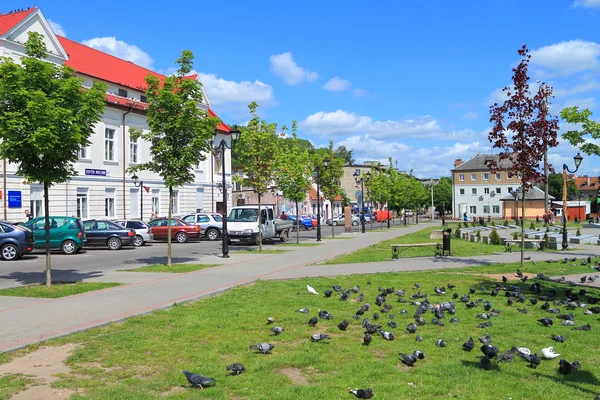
point(57, 28)
point(497, 96)
point(587, 3)
point(567, 58)
point(222, 91)
point(360, 93)
point(588, 102)
point(337, 84)
point(581, 87)
point(469, 116)
point(284, 66)
point(120, 49)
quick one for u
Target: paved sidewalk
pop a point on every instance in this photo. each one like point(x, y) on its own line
point(24, 321)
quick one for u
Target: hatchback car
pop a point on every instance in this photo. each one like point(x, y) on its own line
point(14, 241)
point(180, 231)
point(66, 233)
point(340, 220)
point(142, 231)
point(211, 225)
point(109, 234)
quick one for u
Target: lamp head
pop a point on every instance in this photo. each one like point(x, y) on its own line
point(235, 134)
point(368, 175)
point(134, 178)
point(326, 162)
point(578, 158)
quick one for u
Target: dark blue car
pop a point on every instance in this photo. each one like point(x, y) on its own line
point(14, 241)
point(305, 221)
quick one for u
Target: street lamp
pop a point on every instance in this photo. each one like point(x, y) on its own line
point(325, 164)
point(357, 179)
point(221, 141)
point(134, 178)
point(578, 158)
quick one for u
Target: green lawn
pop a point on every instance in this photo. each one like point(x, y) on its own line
point(175, 268)
point(142, 358)
point(255, 251)
point(57, 289)
point(13, 383)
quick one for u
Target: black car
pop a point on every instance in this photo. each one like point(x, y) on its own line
point(107, 233)
point(14, 241)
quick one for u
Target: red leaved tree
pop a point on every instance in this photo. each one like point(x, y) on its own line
point(523, 131)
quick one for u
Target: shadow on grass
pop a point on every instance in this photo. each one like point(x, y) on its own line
point(63, 275)
point(462, 260)
point(573, 380)
point(475, 364)
point(160, 260)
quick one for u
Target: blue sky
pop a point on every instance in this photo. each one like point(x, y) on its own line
point(408, 79)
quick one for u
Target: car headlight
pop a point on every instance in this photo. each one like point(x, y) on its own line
point(247, 230)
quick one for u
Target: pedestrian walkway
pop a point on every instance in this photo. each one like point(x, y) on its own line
point(24, 321)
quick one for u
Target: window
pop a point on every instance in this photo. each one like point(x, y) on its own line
point(175, 209)
point(199, 200)
point(497, 176)
point(473, 177)
point(474, 191)
point(461, 177)
point(134, 202)
point(510, 190)
point(109, 144)
point(486, 209)
point(133, 151)
point(496, 209)
point(83, 153)
point(36, 194)
point(462, 191)
point(156, 202)
point(203, 218)
point(122, 92)
point(82, 203)
point(143, 99)
point(486, 176)
point(498, 190)
point(109, 203)
point(473, 209)
point(486, 190)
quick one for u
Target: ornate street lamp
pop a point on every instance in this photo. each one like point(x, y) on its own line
point(578, 158)
point(134, 178)
point(221, 141)
point(318, 172)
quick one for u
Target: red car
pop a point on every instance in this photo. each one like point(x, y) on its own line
point(180, 231)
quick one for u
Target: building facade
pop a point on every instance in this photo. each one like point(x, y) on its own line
point(103, 188)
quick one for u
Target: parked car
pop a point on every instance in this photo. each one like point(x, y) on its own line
point(305, 221)
point(109, 234)
point(66, 233)
point(211, 225)
point(180, 231)
point(340, 220)
point(142, 232)
point(15, 241)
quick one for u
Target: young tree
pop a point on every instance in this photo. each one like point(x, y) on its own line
point(590, 128)
point(329, 176)
point(522, 130)
point(294, 174)
point(555, 186)
point(179, 133)
point(259, 151)
point(442, 197)
point(45, 118)
point(379, 186)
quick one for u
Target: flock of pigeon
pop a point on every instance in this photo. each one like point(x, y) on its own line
point(435, 304)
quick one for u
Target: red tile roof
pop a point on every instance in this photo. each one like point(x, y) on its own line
point(9, 21)
point(111, 98)
point(584, 183)
point(222, 126)
point(313, 195)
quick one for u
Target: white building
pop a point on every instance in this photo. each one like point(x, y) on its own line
point(102, 187)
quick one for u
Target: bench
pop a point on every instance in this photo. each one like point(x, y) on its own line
point(399, 248)
point(538, 243)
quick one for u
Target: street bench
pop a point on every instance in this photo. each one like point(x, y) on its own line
point(538, 243)
point(399, 248)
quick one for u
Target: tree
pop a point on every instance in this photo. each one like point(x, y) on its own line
point(179, 131)
point(259, 151)
point(590, 128)
point(345, 154)
point(442, 196)
point(329, 177)
point(379, 187)
point(294, 174)
point(45, 118)
point(555, 186)
point(522, 130)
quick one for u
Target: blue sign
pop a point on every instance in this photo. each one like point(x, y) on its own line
point(14, 199)
point(96, 172)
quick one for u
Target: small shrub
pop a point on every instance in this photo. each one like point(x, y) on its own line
point(515, 235)
point(578, 232)
point(457, 232)
point(494, 224)
point(547, 228)
point(545, 244)
point(532, 226)
point(474, 223)
point(495, 237)
point(505, 223)
point(459, 225)
point(478, 236)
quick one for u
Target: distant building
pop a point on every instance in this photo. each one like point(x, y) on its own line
point(534, 204)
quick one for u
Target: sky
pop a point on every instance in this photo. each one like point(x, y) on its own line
point(407, 79)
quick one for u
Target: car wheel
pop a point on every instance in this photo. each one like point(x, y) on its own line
point(181, 237)
point(114, 243)
point(354, 223)
point(212, 234)
point(10, 252)
point(138, 241)
point(258, 239)
point(68, 247)
point(334, 223)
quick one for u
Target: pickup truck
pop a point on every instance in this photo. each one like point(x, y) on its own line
point(242, 224)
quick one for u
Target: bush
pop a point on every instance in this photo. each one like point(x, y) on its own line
point(515, 235)
point(457, 232)
point(578, 232)
point(494, 224)
point(459, 225)
point(474, 223)
point(495, 237)
point(532, 226)
point(505, 223)
point(478, 236)
point(547, 228)
point(545, 244)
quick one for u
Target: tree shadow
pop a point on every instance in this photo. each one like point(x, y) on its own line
point(63, 275)
point(475, 364)
point(159, 260)
point(573, 380)
point(469, 261)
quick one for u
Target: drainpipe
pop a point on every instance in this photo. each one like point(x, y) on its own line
point(124, 164)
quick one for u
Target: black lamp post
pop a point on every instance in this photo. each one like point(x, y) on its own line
point(357, 179)
point(134, 178)
point(578, 158)
point(221, 141)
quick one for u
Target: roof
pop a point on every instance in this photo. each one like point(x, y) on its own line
point(586, 183)
point(222, 126)
point(12, 19)
point(313, 195)
point(534, 193)
point(480, 163)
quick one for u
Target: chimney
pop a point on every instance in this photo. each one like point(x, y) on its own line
point(457, 162)
point(588, 181)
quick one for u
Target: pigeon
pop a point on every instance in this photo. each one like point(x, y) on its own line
point(343, 325)
point(504, 279)
point(344, 296)
point(328, 293)
point(523, 351)
point(313, 321)
point(451, 286)
point(486, 339)
point(270, 320)
point(325, 315)
point(418, 338)
point(440, 343)
point(567, 368)
point(583, 278)
point(236, 368)
point(546, 321)
point(559, 339)
point(375, 316)
point(548, 353)
point(356, 289)
point(489, 350)
point(317, 337)
point(568, 323)
point(508, 356)
point(303, 310)
point(387, 335)
point(484, 325)
point(367, 339)
point(472, 289)
point(277, 330)
point(454, 320)
point(360, 298)
point(337, 288)
point(411, 328)
point(408, 359)
point(585, 327)
point(362, 393)
point(262, 347)
point(519, 273)
point(197, 380)
point(468, 345)
point(522, 310)
point(534, 359)
point(485, 363)
point(392, 324)
point(311, 289)
point(509, 301)
point(419, 354)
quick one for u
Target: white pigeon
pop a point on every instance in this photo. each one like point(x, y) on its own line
point(311, 289)
point(549, 353)
point(524, 351)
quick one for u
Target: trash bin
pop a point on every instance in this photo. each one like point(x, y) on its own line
point(446, 242)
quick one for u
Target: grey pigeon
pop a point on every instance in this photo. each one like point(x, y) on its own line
point(508, 356)
point(325, 315)
point(277, 330)
point(546, 321)
point(360, 298)
point(344, 296)
point(567, 368)
point(387, 335)
point(411, 328)
point(489, 350)
point(236, 368)
point(469, 344)
point(317, 337)
point(559, 339)
point(328, 293)
point(337, 288)
point(486, 339)
point(262, 347)
point(485, 363)
point(454, 320)
point(343, 325)
point(197, 380)
point(367, 339)
point(533, 359)
point(418, 338)
point(440, 343)
point(419, 354)
point(313, 321)
point(408, 359)
point(585, 327)
point(362, 393)
point(392, 324)
point(303, 310)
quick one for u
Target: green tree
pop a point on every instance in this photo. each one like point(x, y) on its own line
point(589, 128)
point(345, 154)
point(442, 197)
point(179, 131)
point(329, 176)
point(555, 186)
point(379, 187)
point(259, 150)
point(45, 118)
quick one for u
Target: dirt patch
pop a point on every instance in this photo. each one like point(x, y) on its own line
point(510, 277)
point(98, 365)
point(295, 376)
point(41, 365)
point(175, 389)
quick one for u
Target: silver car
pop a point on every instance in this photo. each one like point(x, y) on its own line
point(211, 225)
point(142, 232)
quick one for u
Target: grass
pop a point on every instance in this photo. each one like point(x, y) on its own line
point(301, 244)
point(13, 383)
point(255, 251)
point(57, 289)
point(142, 358)
point(175, 268)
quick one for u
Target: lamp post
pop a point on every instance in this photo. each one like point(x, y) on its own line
point(221, 141)
point(325, 163)
point(357, 179)
point(134, 178)
point(578, 158)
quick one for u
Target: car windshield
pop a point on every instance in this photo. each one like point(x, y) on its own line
point(217, 217)
point(243, 215)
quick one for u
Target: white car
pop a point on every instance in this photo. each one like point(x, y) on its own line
point(339, 220)
point(142, 232)
point(211, 224)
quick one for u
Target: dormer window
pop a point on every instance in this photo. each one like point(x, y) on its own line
point(122, 92)
point(143, 99)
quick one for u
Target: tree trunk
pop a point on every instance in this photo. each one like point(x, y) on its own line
point(47, 229)
point(522, 224)
point(169, 230)
point(443, 216)
point(259, 226)
point(332, 230)
point(298, 224)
